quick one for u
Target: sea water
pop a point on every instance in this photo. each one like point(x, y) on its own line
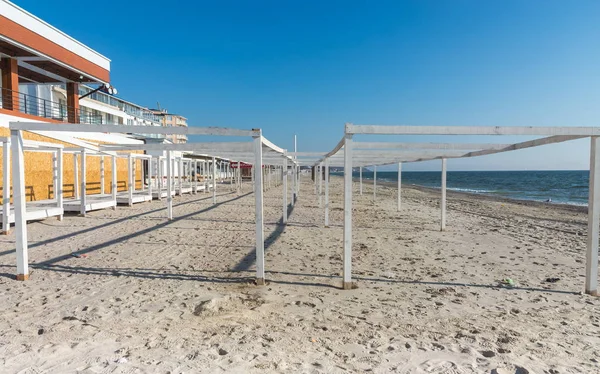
point(567, 187)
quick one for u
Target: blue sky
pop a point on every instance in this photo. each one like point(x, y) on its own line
point(307, 67)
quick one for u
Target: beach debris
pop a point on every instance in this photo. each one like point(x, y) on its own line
point(77, 255)
point(552, 280)
point(122, 360)
point(507, 282)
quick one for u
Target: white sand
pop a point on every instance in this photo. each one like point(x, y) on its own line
point(161, 297)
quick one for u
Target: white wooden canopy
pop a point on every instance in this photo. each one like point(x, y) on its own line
point(258, 152)
point(349, 154)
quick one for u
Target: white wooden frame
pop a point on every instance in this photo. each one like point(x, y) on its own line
point(94, 201)
point(259, 144)
point(34, 210)
point(371, 154)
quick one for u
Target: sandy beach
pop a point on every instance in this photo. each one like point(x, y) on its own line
point(126, 291)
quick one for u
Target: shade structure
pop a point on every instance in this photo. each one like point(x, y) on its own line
point(351, 154)
point(257, 152)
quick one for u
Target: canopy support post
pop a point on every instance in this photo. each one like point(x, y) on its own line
point(102, 191)
point(150, 177)
point(59, 181)
point(591, 264)
point(169, 187)
point(326, 192)
point(320, 184)
point(374, 184)
point(258, 196)
point(75, 176)
point(18, 166)
point(83, 192)
point(443, 203)
point(360, 189)
point(347, 285)
point(6, 187)
point(399, 186)
point(113, 190)
point(214, 181)
point(130, 180)
point(180, 176)
point(285, 191)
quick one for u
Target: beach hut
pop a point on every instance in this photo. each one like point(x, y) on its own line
point(81, 201)
point(34, 210)
point(134, 195)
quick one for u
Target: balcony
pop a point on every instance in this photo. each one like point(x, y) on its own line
point(34, 106)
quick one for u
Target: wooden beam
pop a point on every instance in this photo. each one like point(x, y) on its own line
point(461, 146)
point(472, 130)
point(124, 129)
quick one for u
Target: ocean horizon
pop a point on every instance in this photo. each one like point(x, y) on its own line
point(558, 186)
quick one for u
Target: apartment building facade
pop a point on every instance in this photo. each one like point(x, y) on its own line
point(172, 120)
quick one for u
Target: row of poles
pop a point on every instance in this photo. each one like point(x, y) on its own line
point(322, 171)
point(18, 178)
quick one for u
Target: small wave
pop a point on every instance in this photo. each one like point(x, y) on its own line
point(470, 190)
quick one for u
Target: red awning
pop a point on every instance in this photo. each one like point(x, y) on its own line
point(243, 165)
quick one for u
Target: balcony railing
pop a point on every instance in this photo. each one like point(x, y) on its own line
point(36, 106)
